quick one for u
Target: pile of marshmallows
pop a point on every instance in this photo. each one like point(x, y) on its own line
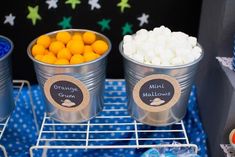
point(161, 47)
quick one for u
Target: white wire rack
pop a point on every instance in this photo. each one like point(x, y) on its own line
point(228, 150)
point(113, 128)
point(18, 86)
point(2, 129)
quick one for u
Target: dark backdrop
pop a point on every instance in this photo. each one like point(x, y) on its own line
point(178, 15)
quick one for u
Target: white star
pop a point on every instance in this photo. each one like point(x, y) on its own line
point(143, 19)
point(94, 4)
point(52, 3)
point(9, 19)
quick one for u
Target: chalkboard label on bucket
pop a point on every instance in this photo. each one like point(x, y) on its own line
point(157, 92)
point(66, 93)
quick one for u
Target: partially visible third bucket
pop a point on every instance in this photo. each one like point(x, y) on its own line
point(6, 87)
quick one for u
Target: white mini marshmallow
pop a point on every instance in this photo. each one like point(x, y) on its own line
point(197, 49)
point(158, 30)
point(147, 62)
point(188, 58)
point(196, 52)
point(165, 63)
point(179, 35)
point(127, 38)
point(177, 61)
point(156, 61)
point(166, 32)
point(129, 48)
point(192, 41)
point(138, 57)
point(181, 52)
point(158, 50)
point(196, 55)
point(141, 35)
point(167, 55)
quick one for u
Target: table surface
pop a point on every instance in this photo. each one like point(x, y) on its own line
point(20, 133)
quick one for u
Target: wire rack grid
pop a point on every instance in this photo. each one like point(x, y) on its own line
point(110, 129)
point(228, 150)
point(17, 86)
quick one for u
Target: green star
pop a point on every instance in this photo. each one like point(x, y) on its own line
point(104, 23)
point(73, 3)
point(123, 4)
point(65, 23)
point(126, 29)
point(33, 14)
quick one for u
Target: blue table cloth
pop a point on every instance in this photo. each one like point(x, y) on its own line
point(20, 133)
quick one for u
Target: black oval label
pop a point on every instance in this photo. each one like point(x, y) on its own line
point(66, 93)
point(156, 92)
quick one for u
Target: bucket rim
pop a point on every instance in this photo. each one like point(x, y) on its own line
point(161, 67)
point(11, 49)
point(69, 65)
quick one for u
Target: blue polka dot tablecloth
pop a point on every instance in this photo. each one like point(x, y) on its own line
point(20, 133)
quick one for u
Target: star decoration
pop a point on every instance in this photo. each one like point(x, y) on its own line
point(94, 4)
point(9, 19)
point(52, 4)
point(104, 23)
point(65, 23)
point(73, 3)
point(126, 28)
point(33, 14)
point(123, 4)
point(143, 19)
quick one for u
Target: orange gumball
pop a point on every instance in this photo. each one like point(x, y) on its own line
point(56, 46)
point(64, 37)
point(77, 59)
point(64, 53)
point(100, 47)
point(38, 50)
point(89, 37)
point(90, 56)
point(39, 57)
point(50, 59)
point(75, 46)
point(61, 61)
point(44, 40)
point(77, 36)
point(87, 48)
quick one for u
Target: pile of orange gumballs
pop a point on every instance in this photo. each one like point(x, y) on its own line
point(68, 48)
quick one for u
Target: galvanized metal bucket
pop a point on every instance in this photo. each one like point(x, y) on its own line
point(90, 77)
point(6, 86)
point(136, 73)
